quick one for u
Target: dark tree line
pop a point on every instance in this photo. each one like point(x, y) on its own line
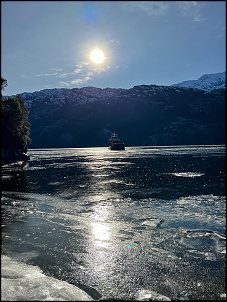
point(15, 126)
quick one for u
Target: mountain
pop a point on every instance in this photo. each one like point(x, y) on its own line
point(206, 82)
point(142, 115)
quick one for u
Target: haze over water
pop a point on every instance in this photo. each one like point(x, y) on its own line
point(115, 223)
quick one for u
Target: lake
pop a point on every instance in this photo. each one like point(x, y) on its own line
point(117, 223)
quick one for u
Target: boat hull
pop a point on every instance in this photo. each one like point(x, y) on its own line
point(117, 146)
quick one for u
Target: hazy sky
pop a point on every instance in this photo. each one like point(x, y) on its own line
point(47, 44)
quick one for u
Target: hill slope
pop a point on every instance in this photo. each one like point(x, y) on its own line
point(142, 115)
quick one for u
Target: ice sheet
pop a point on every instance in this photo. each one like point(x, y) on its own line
point(23, 282)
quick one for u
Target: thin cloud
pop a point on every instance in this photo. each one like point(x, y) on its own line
point(77, 70)
point(46, 74)
point(80, 81)
point(155, 8)
point(56, 69)
point(82, 73)
point(63, 75)
point(83, 77)
point(222, 33)
point(115, 41)
point(59, 73)
point(191, 9)
point(63, 84)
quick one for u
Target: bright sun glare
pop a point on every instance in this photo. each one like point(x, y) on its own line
point(97, 56)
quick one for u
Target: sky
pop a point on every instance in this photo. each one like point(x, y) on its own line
point(47, 44)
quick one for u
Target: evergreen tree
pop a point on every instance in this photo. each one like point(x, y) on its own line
point(3, 83)
point(15, 125)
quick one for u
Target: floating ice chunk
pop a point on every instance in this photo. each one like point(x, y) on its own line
point(210, 256)
point(22, 282)
point(188, 174)
point(152, 222)
point(204, 233)
point(148, 295)
point(222, 252)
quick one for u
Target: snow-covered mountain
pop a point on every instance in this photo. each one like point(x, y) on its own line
point(59, 96)
point(142, 115)
point(206, 82)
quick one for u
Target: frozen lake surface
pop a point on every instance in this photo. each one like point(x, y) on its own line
point(144, 222)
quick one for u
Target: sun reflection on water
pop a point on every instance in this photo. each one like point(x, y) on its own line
point(101, 232)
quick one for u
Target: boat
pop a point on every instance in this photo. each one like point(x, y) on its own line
point(115, 143)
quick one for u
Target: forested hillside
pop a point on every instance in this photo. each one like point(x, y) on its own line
point(142, 115)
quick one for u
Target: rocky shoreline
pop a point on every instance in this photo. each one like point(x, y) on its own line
point(9, 156)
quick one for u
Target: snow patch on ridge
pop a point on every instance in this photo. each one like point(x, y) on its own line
point(206, 82)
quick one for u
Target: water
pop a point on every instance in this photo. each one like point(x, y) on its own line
point(115, 223)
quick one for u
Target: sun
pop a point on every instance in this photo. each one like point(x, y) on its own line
point(97, 56)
